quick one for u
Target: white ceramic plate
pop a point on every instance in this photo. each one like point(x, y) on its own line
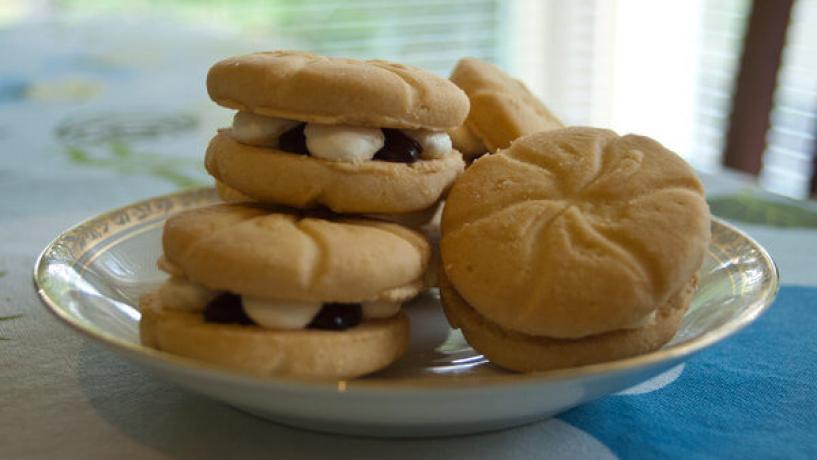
point(92, 275)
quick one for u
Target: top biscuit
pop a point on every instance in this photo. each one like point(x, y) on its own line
point(574, 232)
point(311, 88)
point(276, 253)
point(502, 108)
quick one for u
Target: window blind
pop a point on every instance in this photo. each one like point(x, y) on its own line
point(431, 34)
point(565, 51)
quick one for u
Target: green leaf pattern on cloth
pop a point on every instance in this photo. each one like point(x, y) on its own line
point(107, 141)
point(121, 158)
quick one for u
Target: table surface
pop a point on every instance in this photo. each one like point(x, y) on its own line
point(87, 124)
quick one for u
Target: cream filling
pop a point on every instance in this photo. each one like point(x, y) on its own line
point(169, 267)
point(333, 142)
point(281, 314)
point(343, 143)
point(642, 322)
point(178, 293)
point(435, 144)
point(253, 129)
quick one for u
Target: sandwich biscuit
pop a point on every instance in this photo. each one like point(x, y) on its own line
point(572, 235)
point(354, 136)
point(279, 292)
point(502, 109)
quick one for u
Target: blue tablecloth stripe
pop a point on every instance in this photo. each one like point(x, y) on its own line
point(752, 396)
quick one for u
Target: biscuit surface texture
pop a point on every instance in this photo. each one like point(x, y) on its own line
point(303, 353)
point(574, 232)
point(312, 88)
point(229, 194)
point(277, 177)
point(416, 219)
point(526, 353)
point(250, 250)
point(502, 107)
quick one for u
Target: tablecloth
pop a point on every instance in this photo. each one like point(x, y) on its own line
point(91, 119)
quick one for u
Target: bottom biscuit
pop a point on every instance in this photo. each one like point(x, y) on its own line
point(303, 353)
point(525, 353)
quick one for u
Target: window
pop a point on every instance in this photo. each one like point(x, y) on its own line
point(665, 69)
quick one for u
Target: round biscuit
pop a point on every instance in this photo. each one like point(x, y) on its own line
point(249, 250)
point(574, 232)
point(311, 88)
point(502, 107)
point(525, 353)
point(277, 177)
point(303, 353)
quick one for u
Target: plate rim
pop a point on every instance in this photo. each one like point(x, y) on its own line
point(671, 354)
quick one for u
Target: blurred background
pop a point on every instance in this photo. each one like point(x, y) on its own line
point(118, 86)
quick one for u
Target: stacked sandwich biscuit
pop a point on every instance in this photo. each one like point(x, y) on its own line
point(362, 137)
point(502, 109)
point(290, 278)
point(564, 247)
